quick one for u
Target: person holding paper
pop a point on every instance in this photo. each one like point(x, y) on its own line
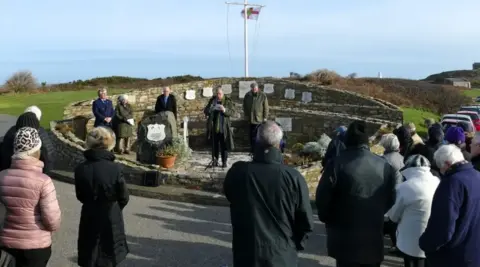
point(123, 124)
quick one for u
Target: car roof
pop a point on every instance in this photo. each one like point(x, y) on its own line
point(472, 106)
point(457, 116)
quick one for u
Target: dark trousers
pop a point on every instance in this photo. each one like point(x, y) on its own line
point(220, 147)
point(30, 257)
point(390, 229)
point(349, 264)
point(409, 261)
point(253, 136)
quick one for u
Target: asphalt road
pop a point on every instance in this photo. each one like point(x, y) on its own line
point(171, 234)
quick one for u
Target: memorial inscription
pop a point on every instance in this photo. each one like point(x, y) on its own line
point(227, 88)
point(306, 97)
point(190, 94)
point(268, 88)
point(156, 132)
point(290, 93)
point(207, 92)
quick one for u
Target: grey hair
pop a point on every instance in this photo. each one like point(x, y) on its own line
point(102, 90)
point(390, 142)
point(122, 97)
point(269, 134)
point(253, 85)
point(448, 153)
point(101, 138)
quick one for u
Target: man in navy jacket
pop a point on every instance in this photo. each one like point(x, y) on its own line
point(452, 236)
point(102, 109)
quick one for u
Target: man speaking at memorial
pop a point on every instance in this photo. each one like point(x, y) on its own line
point(219, 131)
point(255, 110)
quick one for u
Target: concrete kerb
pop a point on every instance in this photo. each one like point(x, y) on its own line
point(164, 192)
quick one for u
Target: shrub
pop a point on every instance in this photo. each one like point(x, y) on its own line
point(352, 75)
point(22, 81)
point(323, 76)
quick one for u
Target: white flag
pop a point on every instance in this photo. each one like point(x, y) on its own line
point(252, 13)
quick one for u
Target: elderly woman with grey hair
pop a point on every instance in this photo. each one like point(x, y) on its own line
point(123, 124)
point(392, 150)
point(101, 188)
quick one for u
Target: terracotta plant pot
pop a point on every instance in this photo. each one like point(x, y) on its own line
point(166, 161)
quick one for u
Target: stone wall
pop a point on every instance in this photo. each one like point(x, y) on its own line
point(328, 109)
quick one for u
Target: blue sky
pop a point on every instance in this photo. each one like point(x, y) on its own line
point(67, 40)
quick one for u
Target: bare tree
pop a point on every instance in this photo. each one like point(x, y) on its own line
point(21, 81)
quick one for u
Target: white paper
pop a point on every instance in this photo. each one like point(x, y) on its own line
point(207, 92)
point(286, 123)
point(227, 88)
point(306, 97)
point(244, 87)
point(190, 94)
point(290, 93)
point(268, 88)
point(131, 122)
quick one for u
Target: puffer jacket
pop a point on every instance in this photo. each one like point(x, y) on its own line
point(33, 212)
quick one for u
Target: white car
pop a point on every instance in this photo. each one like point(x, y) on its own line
point(453, 119)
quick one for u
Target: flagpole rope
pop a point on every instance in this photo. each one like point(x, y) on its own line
point(256, 37)
point(228, 42)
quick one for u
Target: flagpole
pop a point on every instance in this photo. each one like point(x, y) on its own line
point(245, 4)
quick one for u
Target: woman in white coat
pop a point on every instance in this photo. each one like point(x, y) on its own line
point(412, 208)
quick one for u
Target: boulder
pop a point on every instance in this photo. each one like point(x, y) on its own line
point(153, 133)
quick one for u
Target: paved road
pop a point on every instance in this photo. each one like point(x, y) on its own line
point(171, 234)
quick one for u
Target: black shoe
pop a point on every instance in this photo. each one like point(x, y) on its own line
point(215, 163)
point(224, 165)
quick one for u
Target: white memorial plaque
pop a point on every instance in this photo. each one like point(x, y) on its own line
point(244, 87)
point(227, 88)
point(156, 132)
point(268, 88)
point(306, 97)
point(190, 94)
point(207, 92)
point(286, 123)
point(290, 93)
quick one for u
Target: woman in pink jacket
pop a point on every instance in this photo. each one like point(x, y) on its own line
point(31, 202)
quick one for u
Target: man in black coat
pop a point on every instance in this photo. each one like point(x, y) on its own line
point(335, 146)
point(166, 102)
point(355, 191)
point(270, 206)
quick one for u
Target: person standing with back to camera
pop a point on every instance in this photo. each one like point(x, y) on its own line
point(255, 110)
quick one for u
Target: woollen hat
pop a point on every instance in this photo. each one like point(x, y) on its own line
point(27, 119)
point(356, 134)
point(341, 130)
point(455, 135)
point(27, 141)
point(416, 161)
point(36, 110)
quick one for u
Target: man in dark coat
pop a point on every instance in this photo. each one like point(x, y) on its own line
point(102, 109)
point(102, 190)
point(355, 191)
point(406, 141)
point(452, 236)
point(219, 129)
point(47, 152)
point(270, 206)
point(166, 102)
point(335, 146)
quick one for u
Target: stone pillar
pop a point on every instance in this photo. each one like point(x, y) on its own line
point(185, 131)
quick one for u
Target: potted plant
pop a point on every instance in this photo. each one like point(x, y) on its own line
point(166, 156)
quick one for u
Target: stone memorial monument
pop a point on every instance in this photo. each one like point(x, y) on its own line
point(153, 133)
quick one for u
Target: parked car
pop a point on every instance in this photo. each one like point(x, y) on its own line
point(447, 123)
point(474, 116)
point(452, 119)
point(477, 99)
point(475, 108)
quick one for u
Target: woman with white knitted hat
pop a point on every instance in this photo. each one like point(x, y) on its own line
point(33, 212)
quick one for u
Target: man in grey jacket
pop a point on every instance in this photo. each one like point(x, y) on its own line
point(255, 110)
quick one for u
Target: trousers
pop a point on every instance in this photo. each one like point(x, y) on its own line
point(349, 264)
point(410, 261)
point(123, 144)
point(30, 257)
point(253, 136)
point(220, 147)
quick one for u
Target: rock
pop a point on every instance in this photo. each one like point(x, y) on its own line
point(162, 127)
point(324, 141)
point(313, 150)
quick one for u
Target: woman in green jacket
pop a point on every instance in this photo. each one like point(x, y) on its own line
point(123, 124)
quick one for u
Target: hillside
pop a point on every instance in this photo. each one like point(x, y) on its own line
point(471, 75)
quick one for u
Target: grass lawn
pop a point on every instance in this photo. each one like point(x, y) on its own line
point(472, 93)
point(51, 104)
point(418, 116)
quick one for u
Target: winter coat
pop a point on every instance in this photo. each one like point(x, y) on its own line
point(101, 110)
point(102, 190)
point(6, 259)
point(452, 236)
point(405, 139)
point(227, 125)
point(171, 104)
point(255, 107)
point(123, 129)
point(354, 193)
point(47, 152)
point(395, 159)
point(270, 211)
point(412, 208)
point(33, 212)
point(334, 148)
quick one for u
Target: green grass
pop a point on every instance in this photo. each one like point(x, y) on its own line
point(472, 93)
point(51, 104)
point(418, 116)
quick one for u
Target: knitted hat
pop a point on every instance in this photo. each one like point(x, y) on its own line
point(27, 119)
point(356, 134)
point(416, 161)
point(341, 130)
point(455, 135)
point(26, 143)
point(35, 110)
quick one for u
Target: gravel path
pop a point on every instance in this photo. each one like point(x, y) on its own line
point(171, 234)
